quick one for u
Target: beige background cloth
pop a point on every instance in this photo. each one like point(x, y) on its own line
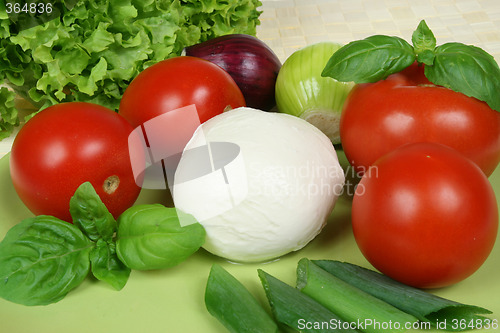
point(287, 25)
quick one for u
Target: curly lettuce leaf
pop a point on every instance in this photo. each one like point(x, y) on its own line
point(8, 113)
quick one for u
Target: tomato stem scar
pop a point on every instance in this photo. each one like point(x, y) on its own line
point(111, 184)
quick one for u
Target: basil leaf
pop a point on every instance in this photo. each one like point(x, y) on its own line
point(107, 267)
point(41, 260)
point(151, 237)
point(90, 214)
point(424, 43)
point(467, 69)
point(369, 60)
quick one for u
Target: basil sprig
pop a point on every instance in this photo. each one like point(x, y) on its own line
point(43, 258)
point(463, 68)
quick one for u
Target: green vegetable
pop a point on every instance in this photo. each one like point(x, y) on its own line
point(348, 302)
point(370, 59)
point(8, 112)
point(106, 266)
point(94, 49)
point(91, 215)
point(297, 310)
point(232, 304)
point(302, 92)
point(466, 69)
point(422, 305)
point(463, 68)
point(424, 42)
point(151, 237)
point(41, 260)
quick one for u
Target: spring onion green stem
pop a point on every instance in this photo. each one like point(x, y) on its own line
point(421, 304)
point(297, 310)
point(348, 302)
point(232, 304)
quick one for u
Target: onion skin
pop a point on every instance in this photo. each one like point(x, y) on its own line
point(302, 92)
point(250, 62)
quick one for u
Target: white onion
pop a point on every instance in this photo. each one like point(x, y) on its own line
point(302, 91)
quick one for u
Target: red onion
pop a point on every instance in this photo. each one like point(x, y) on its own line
point(250, 62)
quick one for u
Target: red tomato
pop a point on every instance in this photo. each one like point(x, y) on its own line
point(177, 82)
point(66, 145)
point(425, 215)
point(404, 108)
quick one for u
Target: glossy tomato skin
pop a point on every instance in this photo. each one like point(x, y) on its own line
point(177, 82)
point(425, 215)
point(404, 108)
point(68, 144)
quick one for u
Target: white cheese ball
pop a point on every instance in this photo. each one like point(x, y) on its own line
point(273, 194)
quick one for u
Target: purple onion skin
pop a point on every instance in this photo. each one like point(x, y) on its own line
point(250, 62)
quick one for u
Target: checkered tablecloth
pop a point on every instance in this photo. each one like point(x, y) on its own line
point(287, 25)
